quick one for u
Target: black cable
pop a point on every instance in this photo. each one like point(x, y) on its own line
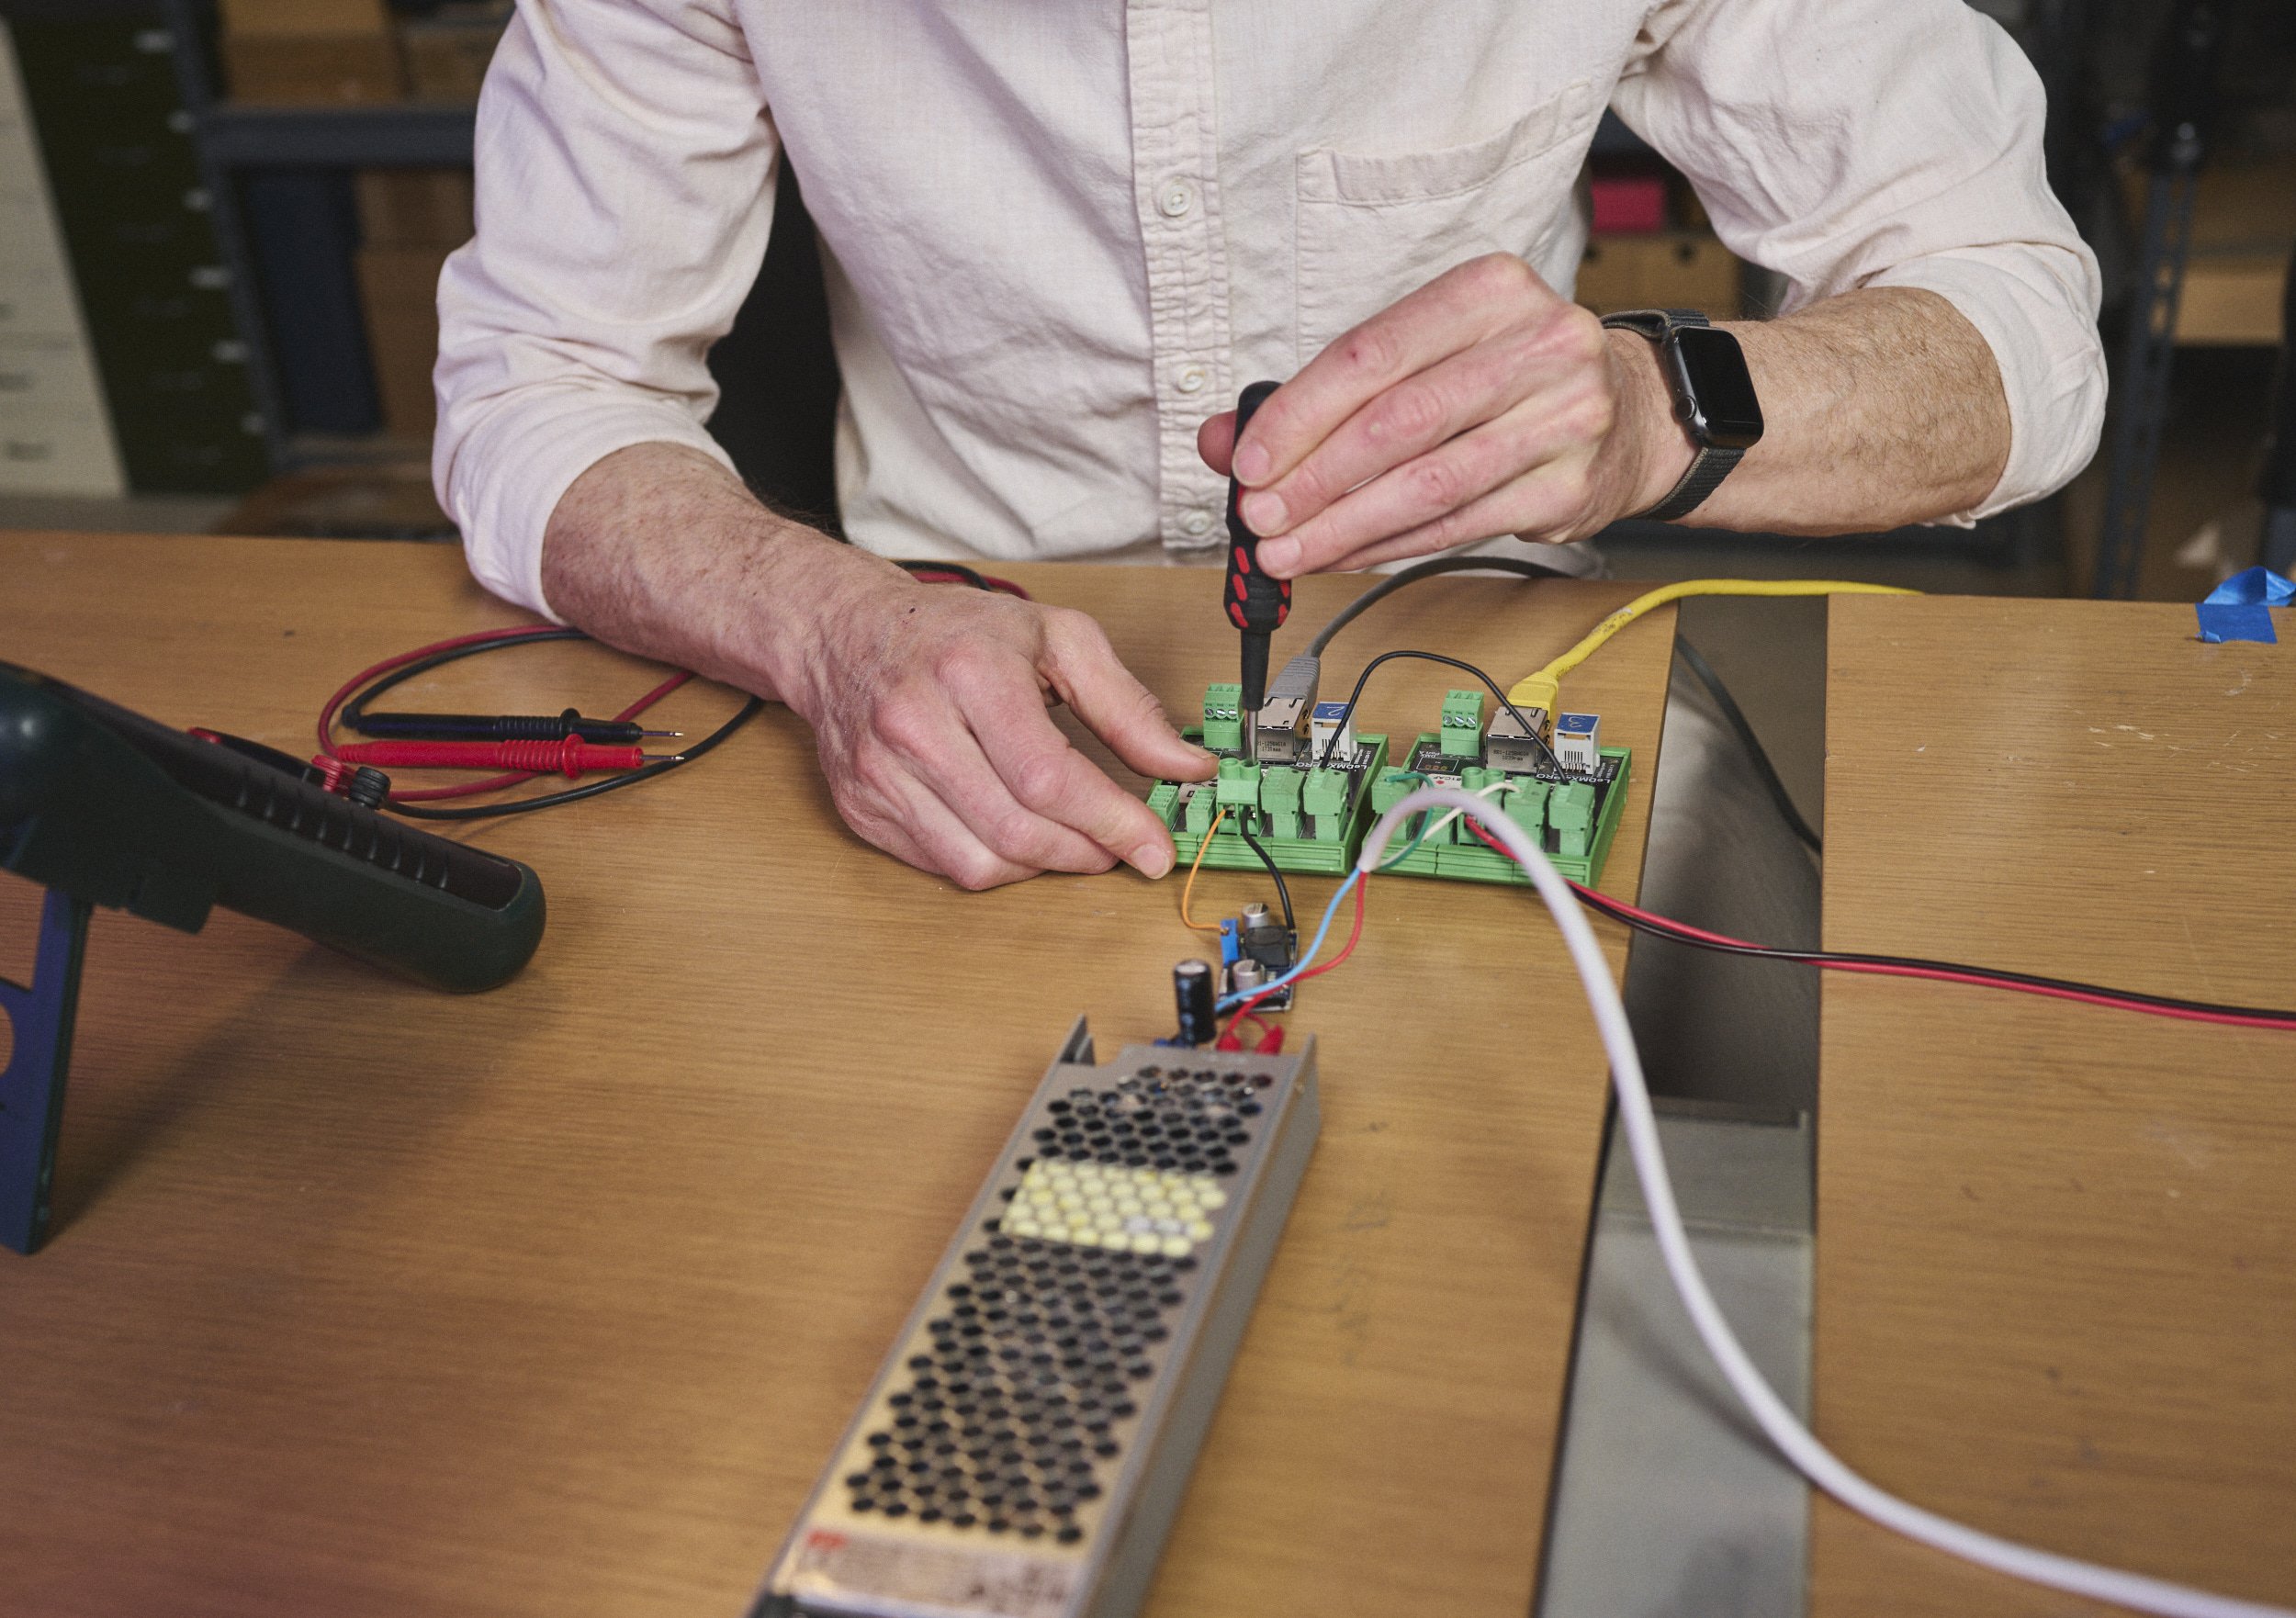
point(356, 704)
point(1521, 566)
point(748, 711)
point(1760, 757)
point(959, 568)
point(1356, 695)
point(1660, 927)
point(1282, 891)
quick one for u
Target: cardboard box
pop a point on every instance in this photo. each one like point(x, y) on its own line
point(398, 287)
point(447, 53)
point(311, 52)
point(305, 18)
point(312, 70)
point(414, 208)
point(1672, 269)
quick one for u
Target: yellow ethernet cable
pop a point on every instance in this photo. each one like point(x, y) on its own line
point(1541, 690)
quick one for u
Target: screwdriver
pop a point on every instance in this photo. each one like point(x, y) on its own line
point(501, 727)
point(569, 755)
point(1256, 604)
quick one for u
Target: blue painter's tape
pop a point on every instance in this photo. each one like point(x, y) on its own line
point(2239, 609)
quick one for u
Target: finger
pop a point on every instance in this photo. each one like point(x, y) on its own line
point(1456, 394)
point(950, 846)
point(1215, 441)
point(928, 735)
point(1455, 311)
point(1541, 507)
point(1114, 706)
point(1454, 475)
point(1052, 780)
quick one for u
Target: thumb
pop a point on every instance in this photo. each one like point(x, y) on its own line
point(1215, 441)
point(1094, 682)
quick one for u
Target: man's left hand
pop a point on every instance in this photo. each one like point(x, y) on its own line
point(1483, 404)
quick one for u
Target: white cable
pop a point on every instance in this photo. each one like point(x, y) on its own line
point(1784, 1429)
point(1494, 788)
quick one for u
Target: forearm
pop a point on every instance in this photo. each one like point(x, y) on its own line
point(657, 549)
point(1881, 406)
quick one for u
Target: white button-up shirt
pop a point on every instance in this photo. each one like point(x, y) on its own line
point(1058, 235)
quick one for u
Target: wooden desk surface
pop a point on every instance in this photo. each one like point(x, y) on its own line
point(367, 1301)
point(2056, 1251)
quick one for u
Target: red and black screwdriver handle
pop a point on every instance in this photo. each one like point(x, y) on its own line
point(1256, 604)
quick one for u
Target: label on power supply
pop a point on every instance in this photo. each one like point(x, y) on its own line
point(875, 1571)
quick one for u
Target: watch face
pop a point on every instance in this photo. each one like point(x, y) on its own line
point(1713, 379)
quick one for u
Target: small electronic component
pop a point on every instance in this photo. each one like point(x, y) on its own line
point(1026, 1441)
point(1515, 747)
point(1576, 736)
point(1331, 730)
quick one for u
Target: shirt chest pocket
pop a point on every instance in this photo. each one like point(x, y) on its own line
point(1373, 229)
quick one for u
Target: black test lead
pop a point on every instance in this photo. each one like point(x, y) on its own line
point(502, 727)
point(1256, 604)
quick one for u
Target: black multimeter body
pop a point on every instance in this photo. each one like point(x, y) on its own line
point(120, 810)
point(104, 807)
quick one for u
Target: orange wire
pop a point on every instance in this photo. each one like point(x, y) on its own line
point(1194, 866)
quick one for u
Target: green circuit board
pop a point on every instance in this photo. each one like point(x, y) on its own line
point(1311, 816)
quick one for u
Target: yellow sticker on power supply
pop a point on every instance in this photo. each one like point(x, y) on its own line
point(1109, 1206)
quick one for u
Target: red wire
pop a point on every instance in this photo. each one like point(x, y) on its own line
point(1353, 935)
point(1937, 974)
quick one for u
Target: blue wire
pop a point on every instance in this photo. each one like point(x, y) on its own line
point(1228, 1002)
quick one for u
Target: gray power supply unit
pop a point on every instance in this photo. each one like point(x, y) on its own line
point(1024, 1446)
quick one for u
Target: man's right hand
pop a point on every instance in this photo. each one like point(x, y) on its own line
point(928, 703)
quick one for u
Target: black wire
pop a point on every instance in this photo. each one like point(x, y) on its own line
point(576, 794)
point(1737, 721)
point(1282, 891)
point(959, 568)
point(1356, 695)
point(356, 705)
point(1660, 928)
point(1394, 581)
point(357, 702)
point(355, 708)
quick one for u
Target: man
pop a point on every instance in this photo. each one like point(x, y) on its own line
point(1060, 234)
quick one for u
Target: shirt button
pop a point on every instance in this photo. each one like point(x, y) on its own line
point(1177, 197)
point(1191, 379)
point(1196, 523)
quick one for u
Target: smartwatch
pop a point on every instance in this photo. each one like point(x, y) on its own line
point(1714, 398)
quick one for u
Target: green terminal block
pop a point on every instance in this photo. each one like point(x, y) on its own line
point(1313, 819)
point(1223, 719)
point(1280, 792)
point(1238, 785)
point(1463, 724)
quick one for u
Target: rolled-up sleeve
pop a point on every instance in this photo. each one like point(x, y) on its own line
point(1849, 143)
point(624, 191)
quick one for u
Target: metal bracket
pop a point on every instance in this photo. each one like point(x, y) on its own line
point(31, 1086)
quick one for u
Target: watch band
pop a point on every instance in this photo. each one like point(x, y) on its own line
point(1655, 323)
point(1712, 464)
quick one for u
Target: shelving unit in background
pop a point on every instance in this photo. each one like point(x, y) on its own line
point(149, 276)
point(55, 434)
point(305, 156)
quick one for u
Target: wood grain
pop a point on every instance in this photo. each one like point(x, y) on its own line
point(552, 1300)
point(2056, 1257)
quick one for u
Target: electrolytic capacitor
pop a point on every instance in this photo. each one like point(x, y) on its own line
point(1192, 995)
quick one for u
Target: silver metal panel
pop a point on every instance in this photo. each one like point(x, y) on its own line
point(1668, 1503)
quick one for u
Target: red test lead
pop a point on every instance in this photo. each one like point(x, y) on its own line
point(570, 755)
